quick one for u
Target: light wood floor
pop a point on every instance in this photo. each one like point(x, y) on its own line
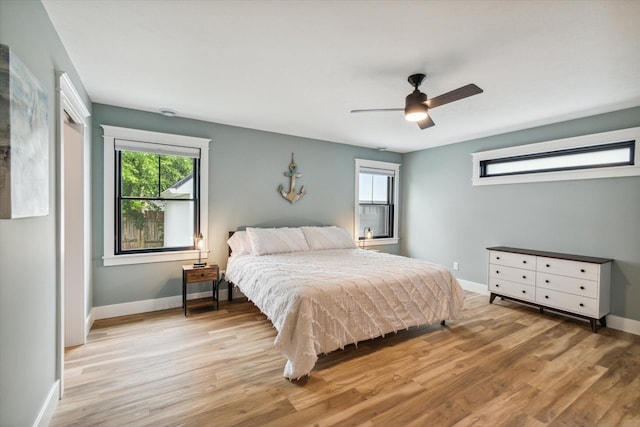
point(500, 364)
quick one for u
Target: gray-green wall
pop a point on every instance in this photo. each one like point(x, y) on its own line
point(246, 167)
point(28, 270)
point(446, 219)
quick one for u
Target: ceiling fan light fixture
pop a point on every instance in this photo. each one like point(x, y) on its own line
point(415, 113)
point(415, 108)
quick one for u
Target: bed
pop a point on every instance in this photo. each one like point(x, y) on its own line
point(322, 292)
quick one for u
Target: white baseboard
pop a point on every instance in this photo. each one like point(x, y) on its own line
point(89, 321)
point(478, 288)
point(623, 324)
point(49, 406)
point(115, 310)
point(614, 322)
point(145, 306)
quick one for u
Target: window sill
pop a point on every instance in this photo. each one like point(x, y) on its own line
point(149, 258)
point(379, 242)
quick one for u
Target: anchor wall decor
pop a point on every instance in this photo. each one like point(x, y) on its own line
point(292, 196)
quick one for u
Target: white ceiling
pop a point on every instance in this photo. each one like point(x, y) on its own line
point(299, 67)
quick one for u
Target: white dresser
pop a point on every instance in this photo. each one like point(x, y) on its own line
point(570, 284)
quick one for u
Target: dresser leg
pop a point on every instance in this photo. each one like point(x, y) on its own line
point(603, 321)
point(184, 292)
point(492, 297)
point(594, 325)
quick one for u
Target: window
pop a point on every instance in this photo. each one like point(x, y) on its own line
point(157, 192)
point(598, 156)
point(155, 195)
point(377, 201)
point(608, 154)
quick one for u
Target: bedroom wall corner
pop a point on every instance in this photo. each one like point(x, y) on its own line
point(446, 219)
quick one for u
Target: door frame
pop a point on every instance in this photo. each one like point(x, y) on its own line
point(70, 102)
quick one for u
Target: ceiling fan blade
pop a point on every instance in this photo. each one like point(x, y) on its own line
point(377, 110)
point(454, 95)
point(425, 123)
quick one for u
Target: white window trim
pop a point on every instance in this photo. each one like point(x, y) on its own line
point(111, 133)
point(559, 144)
point(395, 167)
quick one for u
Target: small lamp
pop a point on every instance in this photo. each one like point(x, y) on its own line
point(200, 246)
point(367, 235)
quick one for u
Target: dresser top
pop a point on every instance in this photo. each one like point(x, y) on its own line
point(570, 257)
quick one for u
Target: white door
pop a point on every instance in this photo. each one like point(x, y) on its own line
point(73, 238)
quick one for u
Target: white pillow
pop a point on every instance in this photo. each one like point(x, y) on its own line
point(330, 237)
point(239, 243)
point(266, 241)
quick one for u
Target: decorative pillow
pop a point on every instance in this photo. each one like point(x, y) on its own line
point(266, 241)
point(239, 243)
point(331, 237)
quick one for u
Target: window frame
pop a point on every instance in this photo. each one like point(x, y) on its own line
point(113, 133)
point(389, 167)
point(119, 199)
point(586, 143)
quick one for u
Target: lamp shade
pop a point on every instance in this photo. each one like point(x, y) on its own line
point(415, 108)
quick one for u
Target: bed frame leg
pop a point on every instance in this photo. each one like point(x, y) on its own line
point(442, 322)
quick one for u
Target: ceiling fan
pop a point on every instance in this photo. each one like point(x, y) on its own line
point(417, 105)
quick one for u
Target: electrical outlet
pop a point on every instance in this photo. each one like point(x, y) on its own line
point(456, 266)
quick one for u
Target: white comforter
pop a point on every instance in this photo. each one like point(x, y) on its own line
point(320, 301)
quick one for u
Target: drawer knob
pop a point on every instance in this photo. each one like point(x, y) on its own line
point(546, 281)
point(497, 285)
point(524, 277)
point(582, 270)
point(548, 266)
point(582, 287)
point(497, 257)
point(581, 305)
point(546, 296)
point(524, 262)
point(524, 292)
point(497, 271)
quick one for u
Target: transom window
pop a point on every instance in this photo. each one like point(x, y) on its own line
point(599, 155)
point(376, 201)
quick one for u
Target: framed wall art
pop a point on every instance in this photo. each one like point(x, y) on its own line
point(24, 140)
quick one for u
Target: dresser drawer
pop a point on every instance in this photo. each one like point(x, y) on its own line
point(587, 288)
point(567, 302)
point(509, 259)
point(513, 289)
point(512, 274)
point(581, 270)
point(202, 275)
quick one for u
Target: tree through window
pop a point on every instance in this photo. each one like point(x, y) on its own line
point(156, 201)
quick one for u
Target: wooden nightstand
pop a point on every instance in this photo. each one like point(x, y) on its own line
point(208, 273)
